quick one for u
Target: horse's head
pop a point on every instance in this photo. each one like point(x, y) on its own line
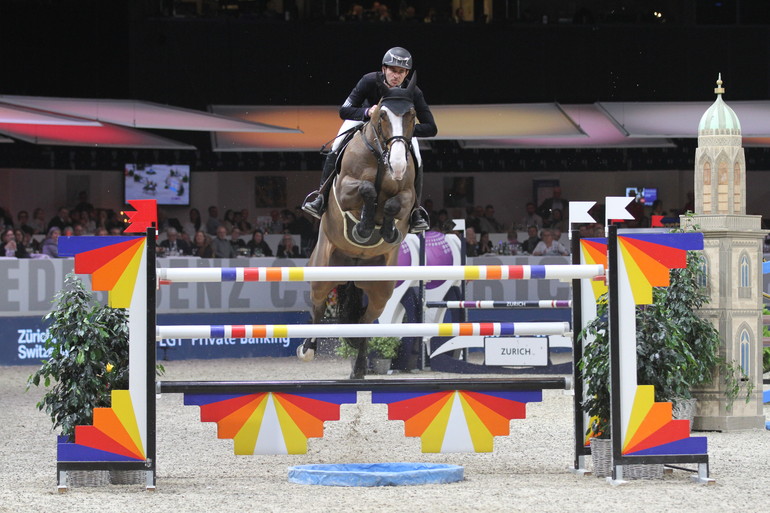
point(394, 121)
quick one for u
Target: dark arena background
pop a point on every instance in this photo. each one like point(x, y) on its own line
point(255, 52)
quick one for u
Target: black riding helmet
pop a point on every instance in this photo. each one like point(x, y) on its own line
point(397, 56)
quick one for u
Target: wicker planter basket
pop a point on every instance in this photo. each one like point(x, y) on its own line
point(79, 478)
point(127, 477)
point(601, 458)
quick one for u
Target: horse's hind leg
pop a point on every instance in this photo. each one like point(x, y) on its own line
point(306, 350)
point(319, 291)
point(362, 232)
point(391, 209)
point(359, 364)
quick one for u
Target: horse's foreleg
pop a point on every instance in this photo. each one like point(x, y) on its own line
point(362, 232)
point(389, 232)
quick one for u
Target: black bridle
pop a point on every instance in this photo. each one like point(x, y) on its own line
point(381, 148)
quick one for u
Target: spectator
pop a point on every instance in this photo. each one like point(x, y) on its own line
point(173, 245)
point(212, 223)
point(238, 244)
point(23, 222)
point(6, 219)
point(689, 206)
point(443, 223)
point(193, 225)
point(354, 14)
point(488, 222)
point(38, 221)
point(257, 245)
point(10, 247)
point(83, 204)
point(31, 246)
point(287, 248)
point(485, 245)
point(221, 246)
point(549, 246)
point(557, 220)
point(474, 218)
point(61, 220)
point(89, 221)
point(554, 202)
point(410, 15)
point(427, 205)
point(300, 224)
point(201, 245)
point(529, 245)
point(513, 240)
point(471, 244)
point(101, 220)
point(51, 243)
point(78, 229)
point(276, 222)
point(531, 218)
point(244, 225)
point(229, 220)
point(114, 224)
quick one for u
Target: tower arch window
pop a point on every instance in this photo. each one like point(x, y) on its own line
point(745, 344)
point(744, 276)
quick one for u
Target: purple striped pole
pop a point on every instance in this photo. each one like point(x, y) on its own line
point(500, 304)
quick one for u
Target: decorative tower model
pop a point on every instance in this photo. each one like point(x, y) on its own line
point(733, 252)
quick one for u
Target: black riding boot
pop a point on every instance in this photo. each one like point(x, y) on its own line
point(317, 206)
point(418, 221)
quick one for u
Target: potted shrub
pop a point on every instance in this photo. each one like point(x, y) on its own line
point(382, 350)
point(89, 357)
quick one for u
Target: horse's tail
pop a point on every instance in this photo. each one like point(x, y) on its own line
point(350, 303)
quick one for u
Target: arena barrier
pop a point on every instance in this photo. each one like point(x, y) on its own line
point(466, 416)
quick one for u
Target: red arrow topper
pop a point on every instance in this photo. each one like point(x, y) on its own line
point(145, 216)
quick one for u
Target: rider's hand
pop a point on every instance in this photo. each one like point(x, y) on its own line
point(370, 111)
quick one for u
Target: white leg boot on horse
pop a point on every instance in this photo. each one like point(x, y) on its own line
point(306, 350)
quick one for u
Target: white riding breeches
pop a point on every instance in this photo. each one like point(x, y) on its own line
point(348, 124)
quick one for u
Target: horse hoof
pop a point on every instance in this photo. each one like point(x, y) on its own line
point(391, 237)
point(358, 237)
point(305, 355)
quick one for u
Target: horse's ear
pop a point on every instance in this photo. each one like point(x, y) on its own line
point(412, 83)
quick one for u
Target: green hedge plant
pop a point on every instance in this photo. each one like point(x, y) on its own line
point(88, 343)
point(676, 350)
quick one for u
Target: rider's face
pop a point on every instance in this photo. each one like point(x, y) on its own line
point(394, 75)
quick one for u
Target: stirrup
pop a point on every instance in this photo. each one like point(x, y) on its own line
point(315, 206)
point(417, 222)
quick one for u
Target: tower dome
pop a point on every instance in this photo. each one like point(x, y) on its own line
point(719, 119)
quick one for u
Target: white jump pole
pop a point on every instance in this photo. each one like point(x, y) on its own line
point(363, 330)
point(374, 273)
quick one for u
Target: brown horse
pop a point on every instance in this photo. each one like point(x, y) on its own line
point(368, 216)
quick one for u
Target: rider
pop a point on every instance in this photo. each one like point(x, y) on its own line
point(358, 108)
